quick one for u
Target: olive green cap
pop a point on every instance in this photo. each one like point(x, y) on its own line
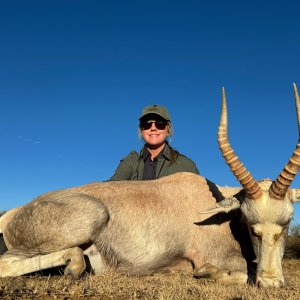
point(157, 110)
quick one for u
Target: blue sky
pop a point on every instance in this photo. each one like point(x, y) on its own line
point(75, 75)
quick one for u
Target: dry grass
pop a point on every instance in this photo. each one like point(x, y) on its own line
point(172, 285)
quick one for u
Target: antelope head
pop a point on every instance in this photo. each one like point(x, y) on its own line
point(267, 206)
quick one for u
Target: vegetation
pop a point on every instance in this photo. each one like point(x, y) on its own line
point(294, 230)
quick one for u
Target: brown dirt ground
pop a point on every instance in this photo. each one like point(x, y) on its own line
point(169, 285)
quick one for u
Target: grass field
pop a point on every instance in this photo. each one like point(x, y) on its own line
point(168, 285)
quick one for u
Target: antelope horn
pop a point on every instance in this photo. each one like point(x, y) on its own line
point(280, 186)
point(251, 187)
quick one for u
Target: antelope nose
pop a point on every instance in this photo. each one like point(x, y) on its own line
point(267, 282)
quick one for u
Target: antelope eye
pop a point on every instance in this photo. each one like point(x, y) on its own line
point(254, 233)
point(277, 236)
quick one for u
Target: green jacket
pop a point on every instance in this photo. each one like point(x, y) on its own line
point(132, 166)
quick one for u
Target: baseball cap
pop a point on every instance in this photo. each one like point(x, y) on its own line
point(157, 110)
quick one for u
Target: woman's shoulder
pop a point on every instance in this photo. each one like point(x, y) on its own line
point(175, 155)
point(132, 155)
point(186, 163)
point(184, 158)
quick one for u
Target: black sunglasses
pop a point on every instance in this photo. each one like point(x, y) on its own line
point(160, 125)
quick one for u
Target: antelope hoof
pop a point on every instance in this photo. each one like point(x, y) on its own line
point(75, 263)
point(206, 271)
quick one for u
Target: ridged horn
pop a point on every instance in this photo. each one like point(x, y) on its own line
point(280, 186)
point(247, 181)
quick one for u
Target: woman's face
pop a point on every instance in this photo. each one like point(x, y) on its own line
point(152, 135)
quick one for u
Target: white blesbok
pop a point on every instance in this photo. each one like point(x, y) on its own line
point(142, 227)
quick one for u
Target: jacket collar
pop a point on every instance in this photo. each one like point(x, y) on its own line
point(144, 153)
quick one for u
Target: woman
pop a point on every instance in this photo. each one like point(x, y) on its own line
point(157, 158)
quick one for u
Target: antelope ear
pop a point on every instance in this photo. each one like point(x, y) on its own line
point(226, 205)
point(296, 195)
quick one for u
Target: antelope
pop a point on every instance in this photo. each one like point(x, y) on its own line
point(142, 227)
